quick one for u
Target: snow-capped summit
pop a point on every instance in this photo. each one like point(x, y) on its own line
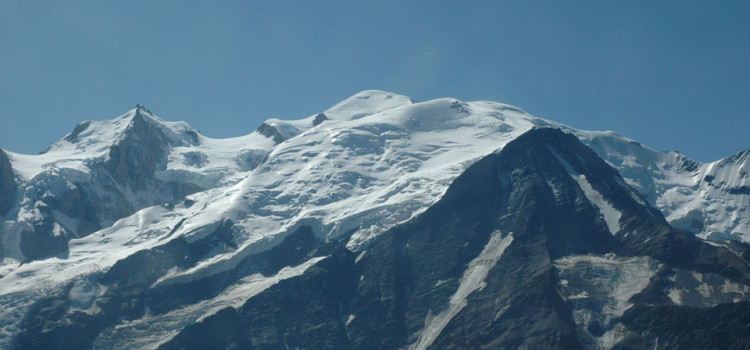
point(357, 106)
point(91, 137)
point(105, 170)
point(92, 141)
point(366, 103)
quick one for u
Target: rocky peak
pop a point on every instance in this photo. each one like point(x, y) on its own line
point(741, 158)
point(732, 174)
point(272, 132)
point(143, 123)
point(81, 127)
point(90, 138)
point(134, 158)
point(141, 109)
point(551, 173)
point(319, 118)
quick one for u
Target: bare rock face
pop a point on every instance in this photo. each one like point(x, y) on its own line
point(271, 132)
point(135, 158)
point(7, 190)
point(7, 184)
point(319, 119)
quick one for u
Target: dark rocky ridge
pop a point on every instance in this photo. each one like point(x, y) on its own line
point(7, 184)
point(7, 190)
point(319, 119)
point(81, 127)
point(271, 132)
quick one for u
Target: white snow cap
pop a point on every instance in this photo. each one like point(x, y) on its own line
point(366, 103)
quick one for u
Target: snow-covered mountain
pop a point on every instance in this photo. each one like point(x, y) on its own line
point(136, 232)
point(709, 200)
point(104, 171)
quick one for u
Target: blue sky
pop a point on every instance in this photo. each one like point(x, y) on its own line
point(670, 74)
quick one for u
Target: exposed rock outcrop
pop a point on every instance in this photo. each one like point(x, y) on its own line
point(7, 184)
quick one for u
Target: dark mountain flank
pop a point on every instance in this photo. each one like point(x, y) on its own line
point(513, 256)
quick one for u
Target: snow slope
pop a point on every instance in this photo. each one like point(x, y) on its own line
point(710, 200)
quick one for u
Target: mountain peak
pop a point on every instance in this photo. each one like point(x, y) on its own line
point(737, 158)
point(378, 94)
point(140, 111)
point(89, 139)
point(365, 103)
point(103, 133)
point(141, 117)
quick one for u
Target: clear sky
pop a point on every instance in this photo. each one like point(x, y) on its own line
point(670, 74)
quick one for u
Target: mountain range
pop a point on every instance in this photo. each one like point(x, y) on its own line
point(379, 223)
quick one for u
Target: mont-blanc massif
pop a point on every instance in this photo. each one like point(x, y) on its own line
point(379, 223)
